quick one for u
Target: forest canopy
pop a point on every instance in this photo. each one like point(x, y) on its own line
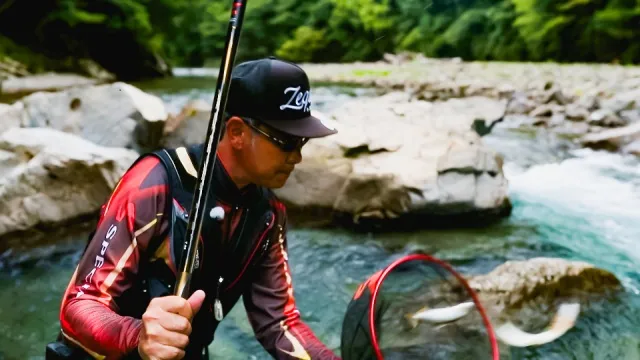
point(192, 32)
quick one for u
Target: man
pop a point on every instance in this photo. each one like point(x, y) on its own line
point(120, 303)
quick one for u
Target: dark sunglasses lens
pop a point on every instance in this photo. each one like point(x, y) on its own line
point(293, 144)
point(289, 145)
point(286, 144)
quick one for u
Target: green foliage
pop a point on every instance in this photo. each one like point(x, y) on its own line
point(69, 13)
point(192, 32)
point(304, 44)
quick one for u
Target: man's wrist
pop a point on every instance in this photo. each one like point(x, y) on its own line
point(134, 336)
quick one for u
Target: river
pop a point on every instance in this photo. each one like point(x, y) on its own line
point(571, 203)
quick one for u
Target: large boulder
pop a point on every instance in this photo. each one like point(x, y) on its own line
point(189, 126)
point(399, 162)
point(633, 148)
point(514, 283)
point(48, 177)
point(44, 82)
point(613, 139)
point(11, 115)
point(114, 115)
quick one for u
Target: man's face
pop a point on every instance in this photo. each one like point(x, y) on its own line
point(271, 155)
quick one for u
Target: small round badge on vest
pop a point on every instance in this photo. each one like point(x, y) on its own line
point(217, 213)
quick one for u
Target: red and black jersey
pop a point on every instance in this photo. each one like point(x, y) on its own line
point(133, 255)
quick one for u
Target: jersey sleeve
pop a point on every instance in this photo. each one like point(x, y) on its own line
point(131, 217)
point(272, 310)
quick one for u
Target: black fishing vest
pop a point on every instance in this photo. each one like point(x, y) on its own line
point(233, 260)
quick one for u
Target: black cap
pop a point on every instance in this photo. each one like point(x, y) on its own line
point(277, 93)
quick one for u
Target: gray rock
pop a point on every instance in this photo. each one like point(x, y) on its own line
point(632, 148)
point(613, 139)
point(521, 104)
point(572, 129)
point(11, 115)
point(545, 110)
point(605, 118)
point(630, 116)
point(589, 102)
point(189, 127)
point(557, 119)
point(576, 112)
point(625, 100)
point(514, 283)
point(44, 82)
point(371, 172)
point(51, 177)
point(555, 96)
point(115, 115)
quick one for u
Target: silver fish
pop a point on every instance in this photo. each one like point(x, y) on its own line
point(441, 316)
point(564, 320)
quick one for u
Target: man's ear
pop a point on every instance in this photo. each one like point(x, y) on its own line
point(236, 132)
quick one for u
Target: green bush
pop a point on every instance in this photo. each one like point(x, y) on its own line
point(192, 32)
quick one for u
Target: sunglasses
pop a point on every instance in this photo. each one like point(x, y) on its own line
point(286, 143)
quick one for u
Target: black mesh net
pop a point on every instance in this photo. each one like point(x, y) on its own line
point(413, 287)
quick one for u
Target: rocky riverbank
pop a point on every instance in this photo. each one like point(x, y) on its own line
point(395, 163)
point(412, 157)
point(594, 105)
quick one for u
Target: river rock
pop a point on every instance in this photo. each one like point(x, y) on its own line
point(576, 112)
point(633, 148)
point(625, 100)
point(49, 177)
point(521, 104)
point(555, 95)
point(546, 110)
point(11, 115)
point(630, 116)
point(613, 139)
point(114, 115)
point(396, 161)
point(605, 118)
point(514, 283)
point(188, 127)
point(590, 97)
point(43, 82)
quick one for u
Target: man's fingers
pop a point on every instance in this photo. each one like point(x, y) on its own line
point(176, 323)
point(167, 326)
point(195, 301)
point(177, 305)
point(157, 334)
point(173, 339)
point(161, 352)
point(172, 303)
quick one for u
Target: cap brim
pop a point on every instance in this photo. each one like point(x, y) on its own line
point(309, 127)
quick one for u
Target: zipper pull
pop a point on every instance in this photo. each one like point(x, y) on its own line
point(217, 304)
point(266, 243)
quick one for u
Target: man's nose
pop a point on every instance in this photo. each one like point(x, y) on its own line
point(295, 157)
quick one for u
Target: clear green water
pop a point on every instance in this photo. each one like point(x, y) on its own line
point(578, 205)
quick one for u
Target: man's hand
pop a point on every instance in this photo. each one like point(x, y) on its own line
point(166, 326)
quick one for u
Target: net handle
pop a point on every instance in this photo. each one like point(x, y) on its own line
point(372, 303)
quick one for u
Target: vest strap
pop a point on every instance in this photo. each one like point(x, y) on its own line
point(185, 160)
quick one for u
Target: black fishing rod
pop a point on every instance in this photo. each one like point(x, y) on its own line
point(205, 171)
